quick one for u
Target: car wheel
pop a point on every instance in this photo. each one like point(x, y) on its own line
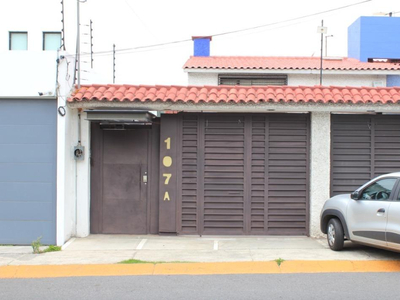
point(335, 234)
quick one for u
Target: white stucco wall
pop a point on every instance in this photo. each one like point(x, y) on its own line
point(70, 136)
point(83, 181)
point(319, 167)
point(336, 80)
point(304, 78)
point(32, 19)
point(76, 185)
point(202, 79)
point(25, 74)
point(73, 186)
point(65, 171)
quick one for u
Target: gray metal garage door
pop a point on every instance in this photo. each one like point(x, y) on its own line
point(27, 171)
point(363, 147)
point(244, 174)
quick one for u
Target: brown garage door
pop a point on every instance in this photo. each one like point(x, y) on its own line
point(244, 174)
point(363, 147)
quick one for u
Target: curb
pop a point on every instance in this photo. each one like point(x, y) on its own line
point(269, 267)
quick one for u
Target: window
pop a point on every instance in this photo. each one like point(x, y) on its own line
point(250, 79)
point(18, 40)
point(51, 40)
point(379, 190)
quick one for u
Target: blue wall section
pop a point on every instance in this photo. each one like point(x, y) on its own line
point(202, 47)
point(393, 80)
point(28, 171)
point(374, 37)
point(353, 39)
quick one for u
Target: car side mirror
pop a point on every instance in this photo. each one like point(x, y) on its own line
point(355, 195)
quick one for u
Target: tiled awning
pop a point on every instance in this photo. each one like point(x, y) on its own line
point(236, 94)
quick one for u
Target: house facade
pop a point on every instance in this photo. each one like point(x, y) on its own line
point(233, 160)
point(252, 146)
point(240, 150)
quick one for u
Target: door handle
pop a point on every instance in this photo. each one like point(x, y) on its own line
point(381, 210)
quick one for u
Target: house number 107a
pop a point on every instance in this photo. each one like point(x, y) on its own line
point(167, 162)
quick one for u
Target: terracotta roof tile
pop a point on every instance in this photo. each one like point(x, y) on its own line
point(235, 94)
point(283, 63)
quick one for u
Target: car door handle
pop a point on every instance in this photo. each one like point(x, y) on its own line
point(381, 210)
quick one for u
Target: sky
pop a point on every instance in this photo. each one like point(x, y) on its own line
point(130, 24)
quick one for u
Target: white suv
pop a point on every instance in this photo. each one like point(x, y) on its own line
point(370, 215)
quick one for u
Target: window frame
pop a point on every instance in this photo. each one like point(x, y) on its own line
point(10, 33)
point(44, 39)
point(249, 76)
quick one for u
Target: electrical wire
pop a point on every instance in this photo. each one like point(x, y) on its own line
point(290, 20)
point(141, 21)
point(180, 45)
point(134, 49)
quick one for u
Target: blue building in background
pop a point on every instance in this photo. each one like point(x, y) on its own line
point(374, 38)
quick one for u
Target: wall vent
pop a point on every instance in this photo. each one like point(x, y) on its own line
point(378, 84)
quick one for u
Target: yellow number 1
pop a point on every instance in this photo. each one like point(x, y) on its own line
point(168, 142)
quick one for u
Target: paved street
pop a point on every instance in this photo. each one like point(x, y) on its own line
point(272, 286)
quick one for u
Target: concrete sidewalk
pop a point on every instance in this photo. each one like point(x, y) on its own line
point(110, 249)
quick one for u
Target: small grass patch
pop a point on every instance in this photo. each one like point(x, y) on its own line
point(36, 245)
point(138, 261)
point(52, 248)
point(279, 261)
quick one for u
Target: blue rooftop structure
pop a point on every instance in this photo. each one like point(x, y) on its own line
point(374, 38)
point(201, 45)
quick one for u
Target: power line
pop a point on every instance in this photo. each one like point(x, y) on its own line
point(290, 20)
point(234, 31)
point(141, 21)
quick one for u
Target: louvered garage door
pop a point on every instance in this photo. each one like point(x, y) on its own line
point(363, 147)
point(244, 174)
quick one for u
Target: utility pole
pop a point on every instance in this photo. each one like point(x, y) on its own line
point(63, 27)
point(322, 30)
point(78, 46)
point(78, 42)
point(114, 63)
point(322, 46)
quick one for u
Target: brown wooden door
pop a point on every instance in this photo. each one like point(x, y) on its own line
point(118, 191)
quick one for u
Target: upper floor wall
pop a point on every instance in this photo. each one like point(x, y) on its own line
point(28, 73)
point(33, 69)
point(371, 80)
point(36, 18)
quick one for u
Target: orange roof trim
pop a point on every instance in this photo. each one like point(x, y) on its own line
point(284, 63)
point(236, 94)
